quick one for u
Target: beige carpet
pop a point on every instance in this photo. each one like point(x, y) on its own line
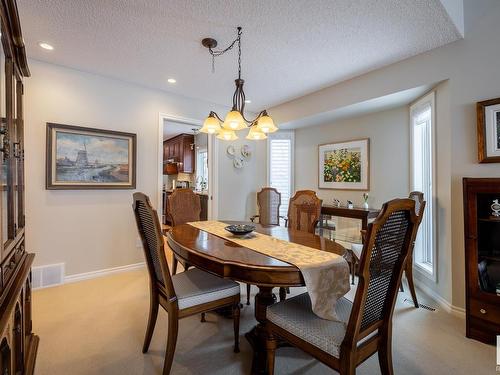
point(97, 327)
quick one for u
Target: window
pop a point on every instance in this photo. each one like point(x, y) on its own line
point(280, 166)
point(202, 169)
point(422, 179)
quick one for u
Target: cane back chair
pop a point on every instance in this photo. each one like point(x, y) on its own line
point(366, 323)
point(188, 293)
point(420, 203)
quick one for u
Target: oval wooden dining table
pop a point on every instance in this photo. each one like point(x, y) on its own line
point(227, 259)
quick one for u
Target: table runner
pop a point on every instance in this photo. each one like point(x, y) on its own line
point(326, 275)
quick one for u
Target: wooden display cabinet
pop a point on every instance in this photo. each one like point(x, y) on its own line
point(482, 259)
point(18, 345)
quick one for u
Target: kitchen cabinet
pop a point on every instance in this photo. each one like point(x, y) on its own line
point(179, 150)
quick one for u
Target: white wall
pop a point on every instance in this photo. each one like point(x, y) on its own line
point(93, 230)
point(471, 66)
point(389, 158)
point(238, 187)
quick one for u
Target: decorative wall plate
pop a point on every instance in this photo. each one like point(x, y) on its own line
point(230, 150)
point(495, 208)
point(245, 151)
point(238, 163)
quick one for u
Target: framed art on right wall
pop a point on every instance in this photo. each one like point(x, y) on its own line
point(344, 165)
point(488, 131)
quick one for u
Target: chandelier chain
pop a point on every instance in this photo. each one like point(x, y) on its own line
point(217, 53)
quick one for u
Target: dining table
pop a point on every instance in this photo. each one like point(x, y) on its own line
point(225, 258)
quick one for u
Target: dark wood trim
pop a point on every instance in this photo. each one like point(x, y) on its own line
point(49, 185)
point(481, 131)
point(12, 36)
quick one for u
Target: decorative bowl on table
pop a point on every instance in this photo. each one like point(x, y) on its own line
point(240, 229)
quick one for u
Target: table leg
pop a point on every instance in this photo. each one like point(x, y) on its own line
point(257, 336)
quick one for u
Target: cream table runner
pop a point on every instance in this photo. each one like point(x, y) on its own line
point(326, 274)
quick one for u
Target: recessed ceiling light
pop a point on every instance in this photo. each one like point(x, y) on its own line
point(171, 80)
point(248, 101)
point(46, 46)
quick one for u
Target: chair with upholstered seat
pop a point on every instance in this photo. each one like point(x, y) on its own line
point(184, 206)
point(365, 325)
point(268, 203)
point(188, 293)
point(304, 211)
point(420, 203)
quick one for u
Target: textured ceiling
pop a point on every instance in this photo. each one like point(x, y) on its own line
point(290, 47)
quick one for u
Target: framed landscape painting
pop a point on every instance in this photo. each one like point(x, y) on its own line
point(87, 158)
point(345, 165)
point(488, 131)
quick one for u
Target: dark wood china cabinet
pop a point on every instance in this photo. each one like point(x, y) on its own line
point(482, 258)
point(18, 345)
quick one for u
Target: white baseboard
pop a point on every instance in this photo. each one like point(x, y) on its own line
point(100, 273)
point(445, 305)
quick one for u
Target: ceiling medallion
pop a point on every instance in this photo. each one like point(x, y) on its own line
point(235, 119)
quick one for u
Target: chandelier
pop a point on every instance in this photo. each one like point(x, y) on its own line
point(235, 120)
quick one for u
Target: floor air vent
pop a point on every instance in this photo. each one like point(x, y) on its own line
point(49, 275)
point(423, 306)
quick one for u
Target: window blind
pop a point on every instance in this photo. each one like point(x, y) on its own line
point(280, 169)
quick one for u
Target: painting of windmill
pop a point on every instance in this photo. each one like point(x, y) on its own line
point(91, 157)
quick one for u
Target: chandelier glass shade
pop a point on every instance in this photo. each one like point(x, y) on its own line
point(227, 135)
point(255, 134)
point(266, 124)
point(211, 125)
point(235, 120)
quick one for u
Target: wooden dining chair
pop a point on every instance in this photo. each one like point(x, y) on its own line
point(268, 203)
point(420, 203)
point(184, 206)
point(304, 211)
point(188, 293)
point(366, 323)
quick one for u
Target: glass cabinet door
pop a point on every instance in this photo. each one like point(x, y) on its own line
point(488, 243)
point(4, 160)
point(19, 156)
point(11, 151)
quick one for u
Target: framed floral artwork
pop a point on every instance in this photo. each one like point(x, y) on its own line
point(345, 165)
point(488, 131)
